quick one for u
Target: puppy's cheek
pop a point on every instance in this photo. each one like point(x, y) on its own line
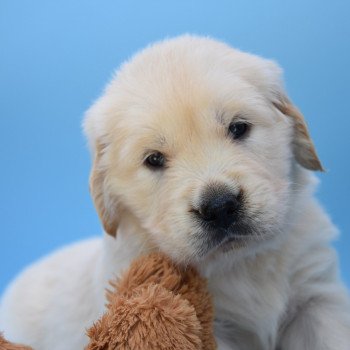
point(137, 189)
point(173, 238)
point(267, 202)
point(171, 225)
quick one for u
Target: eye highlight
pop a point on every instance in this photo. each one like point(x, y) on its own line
point(239, 129)
point(155, 161)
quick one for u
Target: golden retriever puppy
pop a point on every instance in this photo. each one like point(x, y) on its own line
point(198, 153)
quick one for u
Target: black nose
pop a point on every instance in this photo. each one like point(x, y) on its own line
point(220, 208)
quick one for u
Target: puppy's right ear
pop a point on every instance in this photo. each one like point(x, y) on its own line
point(304, 149)
point(105, 205)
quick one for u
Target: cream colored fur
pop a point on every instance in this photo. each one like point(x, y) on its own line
point(277, 290)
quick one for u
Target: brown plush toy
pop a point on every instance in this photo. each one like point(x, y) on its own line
point(5, 345)
point(154, 305)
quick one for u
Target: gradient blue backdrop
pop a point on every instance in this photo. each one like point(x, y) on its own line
point(56, 57)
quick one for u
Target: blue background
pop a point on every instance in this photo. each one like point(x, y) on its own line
point(56, 56)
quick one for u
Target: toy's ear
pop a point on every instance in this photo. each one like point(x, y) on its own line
point(106, 206)
point(303, 147)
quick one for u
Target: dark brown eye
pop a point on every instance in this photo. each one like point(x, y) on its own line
point(155, 160)
point(238, 129)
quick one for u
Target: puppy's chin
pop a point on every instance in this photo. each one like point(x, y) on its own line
point(240, 237)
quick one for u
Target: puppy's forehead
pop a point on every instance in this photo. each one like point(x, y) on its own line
point(188, 83)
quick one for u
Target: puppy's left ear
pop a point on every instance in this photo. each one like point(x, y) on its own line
point(303, 147)
point(104, 204)
point(96, 130)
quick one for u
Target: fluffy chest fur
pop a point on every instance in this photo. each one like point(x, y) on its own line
point(250, 302)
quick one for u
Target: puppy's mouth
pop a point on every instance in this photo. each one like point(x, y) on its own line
point(237, 236)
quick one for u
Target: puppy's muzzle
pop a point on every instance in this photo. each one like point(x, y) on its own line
point(219, 207)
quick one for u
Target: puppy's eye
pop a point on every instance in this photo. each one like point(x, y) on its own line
point(238, 129)
point(155, 160)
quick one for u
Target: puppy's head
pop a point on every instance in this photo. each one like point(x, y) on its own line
point(197, 142)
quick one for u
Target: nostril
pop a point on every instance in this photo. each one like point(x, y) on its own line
point(207, 213)
point(231, 207)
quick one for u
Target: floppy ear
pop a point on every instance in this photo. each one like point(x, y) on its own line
point(105, 206)
point(267, 76)
point(303, 147)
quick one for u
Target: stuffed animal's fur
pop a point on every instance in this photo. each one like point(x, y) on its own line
point(6, 345)
point(154, 305)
